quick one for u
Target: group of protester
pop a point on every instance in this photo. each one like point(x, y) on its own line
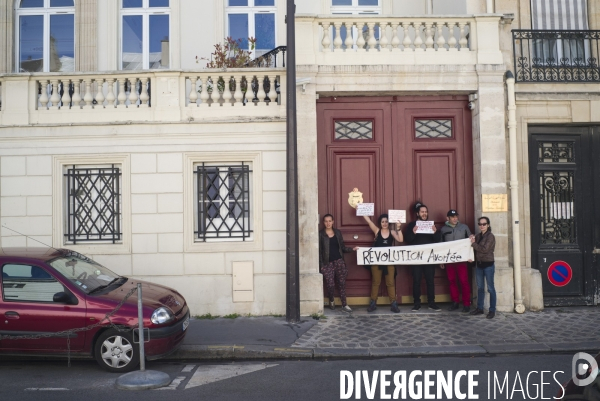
point(335, 271)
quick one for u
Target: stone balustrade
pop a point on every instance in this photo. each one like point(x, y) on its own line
point(380, 39)
point(72, 92)
point(145, 96)
point(234, 88)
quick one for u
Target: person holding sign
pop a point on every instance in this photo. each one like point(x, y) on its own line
point(331, 261)
point(384, 237)
point(454, 230)
point(484, 244)
point(418, 233)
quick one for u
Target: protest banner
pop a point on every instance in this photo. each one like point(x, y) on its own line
point(428, 254)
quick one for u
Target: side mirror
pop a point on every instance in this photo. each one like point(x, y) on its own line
point(65, 298)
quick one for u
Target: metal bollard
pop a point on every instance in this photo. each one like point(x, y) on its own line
point(141, 329)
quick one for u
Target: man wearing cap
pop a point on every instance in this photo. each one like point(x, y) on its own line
point(454, 230)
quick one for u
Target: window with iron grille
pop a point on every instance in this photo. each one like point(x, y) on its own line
point(223, 202)
point(429, 129)
point(93, 207)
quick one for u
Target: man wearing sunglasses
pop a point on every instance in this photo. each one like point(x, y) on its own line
point(484, 244)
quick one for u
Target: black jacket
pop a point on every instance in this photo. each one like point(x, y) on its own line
point(411, 238)
point(324, 246)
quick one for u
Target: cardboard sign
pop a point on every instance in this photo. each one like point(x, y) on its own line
point(397, 216)
point(428, 254)
point(424, 227)
point(365, 209)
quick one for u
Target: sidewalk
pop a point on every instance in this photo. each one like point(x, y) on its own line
point(384, 334)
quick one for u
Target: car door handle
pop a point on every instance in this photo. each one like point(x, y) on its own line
point(11, 315)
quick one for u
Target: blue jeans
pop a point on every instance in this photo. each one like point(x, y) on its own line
point(488, 273)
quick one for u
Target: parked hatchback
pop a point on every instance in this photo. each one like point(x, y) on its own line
point(47, 291)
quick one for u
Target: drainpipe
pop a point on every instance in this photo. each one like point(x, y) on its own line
point(514, 189)
point(489, 5)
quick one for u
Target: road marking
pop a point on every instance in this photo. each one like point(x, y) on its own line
point(46, 389)
point(188, 368)
point(214, 373)
point(173, 386)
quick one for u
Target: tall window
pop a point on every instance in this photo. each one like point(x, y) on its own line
point(145, 34)
point(252, 18)
point(45, 36)
point(567, 48)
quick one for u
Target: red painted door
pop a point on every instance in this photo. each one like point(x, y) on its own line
point(354, 148)
point(395, 150)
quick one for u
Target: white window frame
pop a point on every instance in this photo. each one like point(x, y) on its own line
point(251, 10)
point(46, 11)
point(255, 242)
point(355, 9)
point(145, 11)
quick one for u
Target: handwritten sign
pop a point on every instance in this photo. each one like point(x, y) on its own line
point(365, 209)
point(424, 227)
point(397, 216)
point(428, 254)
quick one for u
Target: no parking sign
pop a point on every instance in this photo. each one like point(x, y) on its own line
point(560, 273)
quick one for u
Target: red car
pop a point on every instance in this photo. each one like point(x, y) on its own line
point(46, 291)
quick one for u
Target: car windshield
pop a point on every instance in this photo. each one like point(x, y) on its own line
point(84, 272)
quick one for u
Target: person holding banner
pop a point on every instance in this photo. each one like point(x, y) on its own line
point(454, 230)
point(331, 261)
point(412, 237)
point(384, 237)
point(484, 245)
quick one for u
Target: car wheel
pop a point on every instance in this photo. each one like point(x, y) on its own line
point(115, 351)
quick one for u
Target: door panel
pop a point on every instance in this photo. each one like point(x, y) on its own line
point(381, 146)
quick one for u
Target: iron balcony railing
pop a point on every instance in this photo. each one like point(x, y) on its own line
point(556, 56)
point(270, 59)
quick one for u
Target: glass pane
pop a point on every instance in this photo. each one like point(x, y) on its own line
point(159, 41)
point(433, 129)
point(61, 3)
point(238, 28)
point(132, 3)
point(368, 2)
point(264, 25)
point(31, 43)
point(132, 42)
point(341, 2)
point(353, 130)
point(62, 42)
point(32, 3)
point(159, 3)
point(238, 2)
point(264, 2)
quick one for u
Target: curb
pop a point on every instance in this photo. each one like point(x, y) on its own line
point(257, 352)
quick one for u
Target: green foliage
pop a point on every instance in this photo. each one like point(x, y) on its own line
point(318, 316)
point(230, 54)
point(207, 316)
point(232, 316)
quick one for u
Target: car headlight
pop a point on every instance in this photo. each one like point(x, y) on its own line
point(161, 315)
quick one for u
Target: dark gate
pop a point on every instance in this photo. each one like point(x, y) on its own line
point(564, 180)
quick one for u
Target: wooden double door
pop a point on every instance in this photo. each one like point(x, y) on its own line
point(395, 150)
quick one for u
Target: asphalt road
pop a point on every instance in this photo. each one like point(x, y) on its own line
point(276, 380)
